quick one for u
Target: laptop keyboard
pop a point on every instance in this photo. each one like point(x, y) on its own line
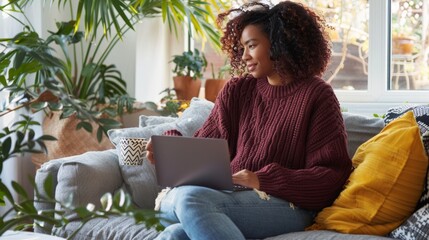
point(237, 188)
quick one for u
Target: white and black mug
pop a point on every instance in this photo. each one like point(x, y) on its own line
point(132, 151)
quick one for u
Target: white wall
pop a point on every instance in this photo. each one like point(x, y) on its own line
point(155, 47)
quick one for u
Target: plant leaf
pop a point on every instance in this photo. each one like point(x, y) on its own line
point(4, 192)
point(85, 125)
point(20, 190)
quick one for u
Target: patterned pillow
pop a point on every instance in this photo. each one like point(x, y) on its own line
point(415, 228)
point(421, 113)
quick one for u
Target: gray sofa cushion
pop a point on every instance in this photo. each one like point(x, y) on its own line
point(194, 116)
point(359, 129)
point(47, 169)
point(86, 179)
point(190, 120)
point(113, 228)
point(325, 235)
point(141, 184)
point(145, 121)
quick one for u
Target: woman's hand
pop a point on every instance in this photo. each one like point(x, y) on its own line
point(149, 152)
point(246, 178)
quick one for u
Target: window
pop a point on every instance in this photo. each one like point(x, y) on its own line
point(380, 50)
point(409, 32)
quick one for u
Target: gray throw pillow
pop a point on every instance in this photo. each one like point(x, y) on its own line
point(194, 116)
point(189, 122)
point(145, 121)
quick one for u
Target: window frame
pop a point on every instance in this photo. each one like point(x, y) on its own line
point(379, 65)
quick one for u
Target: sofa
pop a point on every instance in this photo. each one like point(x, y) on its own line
point(88, 176)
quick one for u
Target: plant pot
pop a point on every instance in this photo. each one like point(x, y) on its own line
point(186, 87)
point(70, 141)
point(402, 45)
point(213, 87)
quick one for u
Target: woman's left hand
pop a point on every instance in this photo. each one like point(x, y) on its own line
point(246, 178)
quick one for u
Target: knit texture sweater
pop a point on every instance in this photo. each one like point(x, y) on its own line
point(291, 136)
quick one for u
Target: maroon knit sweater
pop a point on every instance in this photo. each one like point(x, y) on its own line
point(291, 136)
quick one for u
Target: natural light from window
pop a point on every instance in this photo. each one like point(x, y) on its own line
point(410, 45)
point(380, 50)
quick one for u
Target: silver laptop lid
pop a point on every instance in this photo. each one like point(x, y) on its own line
point(192, 161)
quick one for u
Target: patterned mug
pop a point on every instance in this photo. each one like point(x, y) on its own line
point(132, 150)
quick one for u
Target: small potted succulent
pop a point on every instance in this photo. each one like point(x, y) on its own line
point(189, 68)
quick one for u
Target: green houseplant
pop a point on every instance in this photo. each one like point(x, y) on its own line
point(95, 89)
point(40, 78)
point(188, 70)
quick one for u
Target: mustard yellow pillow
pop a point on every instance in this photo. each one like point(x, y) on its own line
point(386, 185)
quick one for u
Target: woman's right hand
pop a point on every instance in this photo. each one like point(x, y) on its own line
point(149, 152)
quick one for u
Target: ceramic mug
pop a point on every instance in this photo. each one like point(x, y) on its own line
point(132, 150)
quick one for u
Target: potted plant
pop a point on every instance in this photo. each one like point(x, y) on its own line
point(92, 88)
point(189, 68)
point(213, 85)
point(85, 88)
point(37, 76)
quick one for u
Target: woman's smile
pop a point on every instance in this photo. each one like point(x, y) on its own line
point(251, 67)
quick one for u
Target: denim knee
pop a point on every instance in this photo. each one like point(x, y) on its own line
point(173, 232)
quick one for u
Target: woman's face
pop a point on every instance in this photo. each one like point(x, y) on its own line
point(256, 52)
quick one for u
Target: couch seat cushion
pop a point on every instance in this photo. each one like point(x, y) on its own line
point(325, 235)
point(113, 228)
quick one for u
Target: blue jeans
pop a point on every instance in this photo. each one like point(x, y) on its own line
point(192, 212)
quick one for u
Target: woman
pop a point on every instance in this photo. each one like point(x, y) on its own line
point(284, 129)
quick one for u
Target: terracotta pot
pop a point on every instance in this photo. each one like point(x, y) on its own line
point(186, 87)
point(213, 87)
point(70, 141)
point(402, 45)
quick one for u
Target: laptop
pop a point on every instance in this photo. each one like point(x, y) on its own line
point(192, 161)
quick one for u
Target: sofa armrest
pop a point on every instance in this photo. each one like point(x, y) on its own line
point(87, 177)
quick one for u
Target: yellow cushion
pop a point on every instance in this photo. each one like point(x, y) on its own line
point(386, 185)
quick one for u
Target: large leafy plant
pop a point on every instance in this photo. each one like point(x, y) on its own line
point(87, 87)
point(41, 78)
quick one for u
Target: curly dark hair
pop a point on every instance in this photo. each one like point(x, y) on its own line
point(300, 47)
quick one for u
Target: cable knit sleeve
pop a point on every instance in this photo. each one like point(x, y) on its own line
point(327, 165)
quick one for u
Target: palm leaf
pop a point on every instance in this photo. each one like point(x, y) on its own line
point(111, 13)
